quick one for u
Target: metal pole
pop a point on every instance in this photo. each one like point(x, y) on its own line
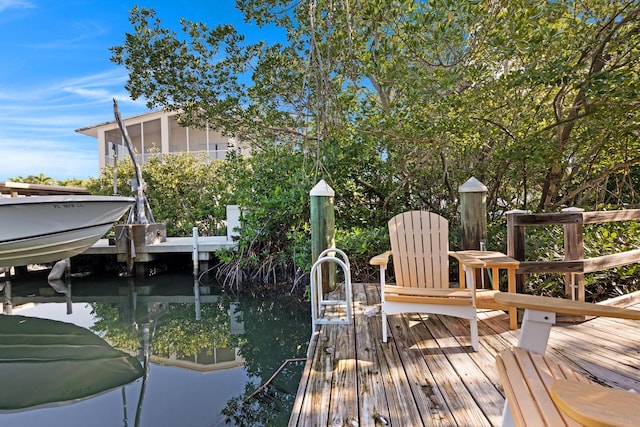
point(115, 168)
point(142, 217)
point(196, 284)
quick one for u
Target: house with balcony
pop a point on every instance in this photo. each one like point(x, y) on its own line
point(155, 134)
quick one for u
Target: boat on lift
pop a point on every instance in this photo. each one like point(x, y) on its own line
point(44, 229)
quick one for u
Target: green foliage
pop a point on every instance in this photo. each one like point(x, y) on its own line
point(546, 244)
point(360, 245)
point(178, 334)
point(113, 329)
point(395, 104)
point(42, 179)
point(184, 191)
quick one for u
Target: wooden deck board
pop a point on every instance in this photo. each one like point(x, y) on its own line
point(427, 396)
point(373, 405)
point(427, 374)
point(401, 409)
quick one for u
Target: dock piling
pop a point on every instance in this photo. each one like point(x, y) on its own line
point(322, 229)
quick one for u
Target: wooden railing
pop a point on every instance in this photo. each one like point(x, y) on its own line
point(574, 265)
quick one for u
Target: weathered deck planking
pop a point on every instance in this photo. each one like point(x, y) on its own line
point(427, 375)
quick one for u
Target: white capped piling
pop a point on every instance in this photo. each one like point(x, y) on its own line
point(473, 213)
point(323, 229)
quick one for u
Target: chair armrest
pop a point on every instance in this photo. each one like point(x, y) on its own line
point(565, 306)
point(594, 404)
point(381, 260)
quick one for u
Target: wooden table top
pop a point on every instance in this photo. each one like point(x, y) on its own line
point(492, 259)
point(594, 405)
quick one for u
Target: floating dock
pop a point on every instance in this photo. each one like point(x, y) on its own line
point(181, 245)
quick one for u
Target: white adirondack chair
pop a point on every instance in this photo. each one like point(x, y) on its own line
point(420, 250)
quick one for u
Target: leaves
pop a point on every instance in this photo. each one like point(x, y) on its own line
point(396, 103)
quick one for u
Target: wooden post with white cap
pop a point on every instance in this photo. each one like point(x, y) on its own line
point(473, 213)
point(323, 229)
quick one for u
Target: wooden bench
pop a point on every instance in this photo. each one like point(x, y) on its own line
point(541, 392)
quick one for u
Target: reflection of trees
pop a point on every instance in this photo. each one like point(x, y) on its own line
point(271, 407)
point(175, 332)
point(276, 328)
point(178, 333)
point(112, 329)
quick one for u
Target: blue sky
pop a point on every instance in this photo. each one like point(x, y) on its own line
point(56, 76)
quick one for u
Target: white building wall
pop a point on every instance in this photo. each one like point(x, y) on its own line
point(157, 132)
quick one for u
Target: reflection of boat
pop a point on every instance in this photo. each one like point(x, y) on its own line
point(45, 362)
point(41, 229)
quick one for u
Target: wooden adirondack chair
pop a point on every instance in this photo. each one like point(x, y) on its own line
point(541, 392)
point(420, 250)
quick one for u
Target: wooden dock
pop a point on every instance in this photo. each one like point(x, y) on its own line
point(206, 246)
point(149, 251)
point(427, 373)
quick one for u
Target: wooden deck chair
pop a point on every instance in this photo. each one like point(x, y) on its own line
point(420, 250)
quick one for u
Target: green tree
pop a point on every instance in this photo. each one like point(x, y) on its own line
point(397, 102)
point(184, 192)
point(40, 179)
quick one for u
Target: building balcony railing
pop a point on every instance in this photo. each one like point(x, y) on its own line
point(211, 155)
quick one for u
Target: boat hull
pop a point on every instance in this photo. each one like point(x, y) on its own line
point(42, 229)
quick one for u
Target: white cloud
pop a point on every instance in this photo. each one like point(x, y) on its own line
point(37, 124)
point(15, 4)
point(85, 30)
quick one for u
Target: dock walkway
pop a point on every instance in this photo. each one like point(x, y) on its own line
point(427, 373)
point(206, 245)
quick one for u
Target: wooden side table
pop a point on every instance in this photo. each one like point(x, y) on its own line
point(495, 261)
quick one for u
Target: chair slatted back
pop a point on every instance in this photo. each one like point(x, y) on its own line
point(420, 246)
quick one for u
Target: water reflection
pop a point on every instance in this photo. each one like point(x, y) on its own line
point(45, 362)
point(196, 372)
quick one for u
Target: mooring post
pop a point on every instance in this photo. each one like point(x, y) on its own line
point(8, 303)
point(195, 254)
point(323, 229)
point(516, 235)
point(473, 213)
point(473, 217)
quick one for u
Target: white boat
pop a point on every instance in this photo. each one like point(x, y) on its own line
point(42, 229)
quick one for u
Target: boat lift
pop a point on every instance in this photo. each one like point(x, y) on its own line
point(326, 311)
point(138, 215)
point(140, 230)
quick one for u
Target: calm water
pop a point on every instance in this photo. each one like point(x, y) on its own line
point(201, 363)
